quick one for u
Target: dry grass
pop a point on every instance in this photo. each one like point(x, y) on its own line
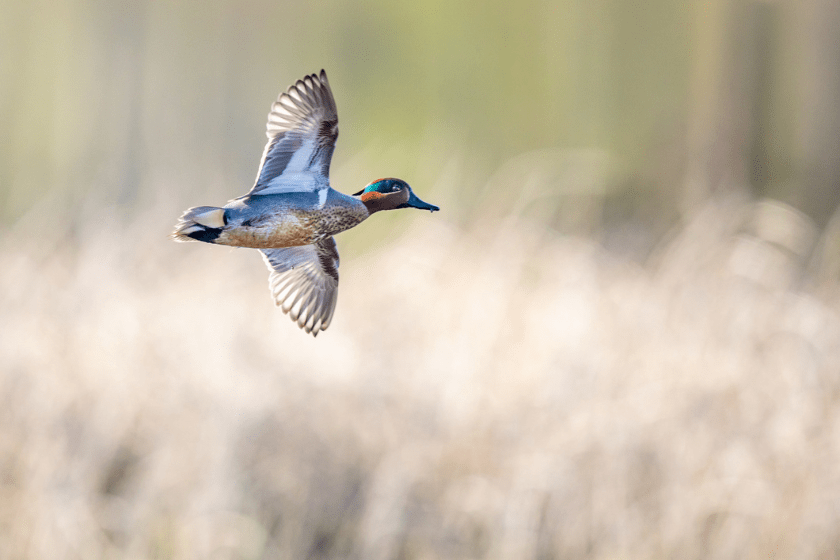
point(502, 392)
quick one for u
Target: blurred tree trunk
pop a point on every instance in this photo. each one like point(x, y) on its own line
point(716, 125)
point(818, 134)
point(766, 109)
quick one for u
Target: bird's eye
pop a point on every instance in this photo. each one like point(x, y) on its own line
point(395, 188)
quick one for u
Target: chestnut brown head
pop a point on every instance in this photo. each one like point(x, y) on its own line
point(390, 194)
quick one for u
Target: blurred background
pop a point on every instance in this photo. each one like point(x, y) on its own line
point(620, 338)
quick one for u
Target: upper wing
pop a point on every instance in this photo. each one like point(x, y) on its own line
point(304, 282)
point(302, 129)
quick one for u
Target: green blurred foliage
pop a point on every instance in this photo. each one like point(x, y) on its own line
point(108, 101)
point(98, 98)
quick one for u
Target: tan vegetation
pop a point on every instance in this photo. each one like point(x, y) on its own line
point(497, 392)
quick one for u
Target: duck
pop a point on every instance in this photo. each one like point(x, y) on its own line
point(291, 214)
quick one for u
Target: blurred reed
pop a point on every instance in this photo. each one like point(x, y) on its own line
point(494, 391)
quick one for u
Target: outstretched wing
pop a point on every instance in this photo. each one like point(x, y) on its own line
point(302, 129)
point(304, 282)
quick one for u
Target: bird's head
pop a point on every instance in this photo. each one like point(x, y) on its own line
point(390, 194)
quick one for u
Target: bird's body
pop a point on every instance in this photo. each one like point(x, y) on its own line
point(288, 219)
point(292, 213)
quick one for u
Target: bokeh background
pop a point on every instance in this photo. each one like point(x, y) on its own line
point(620, 338)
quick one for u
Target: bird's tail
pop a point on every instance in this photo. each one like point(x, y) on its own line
point(202, 223)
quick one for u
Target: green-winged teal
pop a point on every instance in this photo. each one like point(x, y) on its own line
point(291, 214)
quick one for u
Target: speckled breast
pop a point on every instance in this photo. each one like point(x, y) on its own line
point(289, 219)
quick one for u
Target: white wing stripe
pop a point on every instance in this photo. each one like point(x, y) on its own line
point(302, 129)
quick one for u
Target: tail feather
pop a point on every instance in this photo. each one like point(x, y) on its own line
point(202, 223)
